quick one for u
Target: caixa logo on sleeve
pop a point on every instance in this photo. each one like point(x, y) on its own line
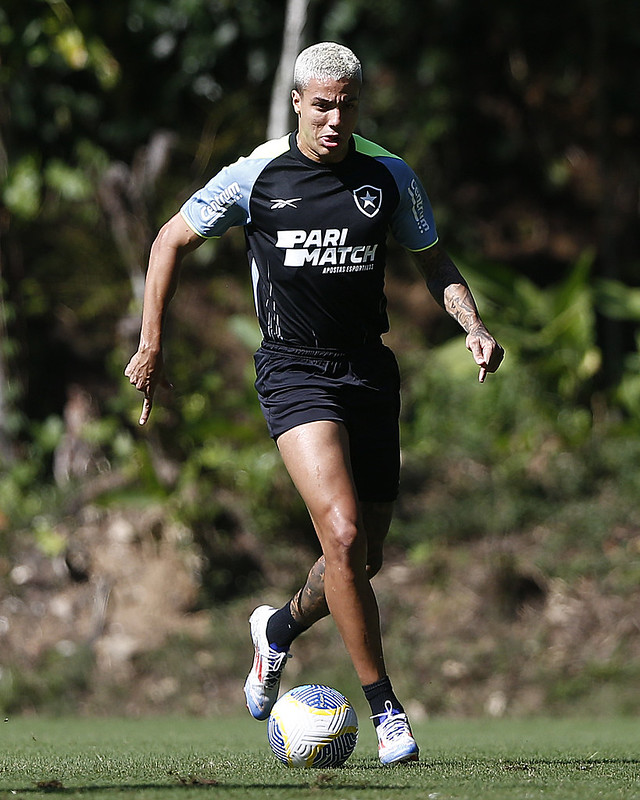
point(368, 199)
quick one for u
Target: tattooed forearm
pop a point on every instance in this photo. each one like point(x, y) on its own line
point(447, 286)
point(450, 290)
point(459, 303)
point(309, 604)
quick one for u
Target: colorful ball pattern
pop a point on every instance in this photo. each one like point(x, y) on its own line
point(313, 726)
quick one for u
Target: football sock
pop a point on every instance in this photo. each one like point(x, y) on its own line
point(282, 629)
point(378, 694)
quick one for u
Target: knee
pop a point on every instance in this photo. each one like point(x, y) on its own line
point(344, 546)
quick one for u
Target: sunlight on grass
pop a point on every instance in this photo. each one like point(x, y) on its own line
point(162, 758)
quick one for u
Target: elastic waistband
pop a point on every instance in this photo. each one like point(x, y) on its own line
point(315, 352)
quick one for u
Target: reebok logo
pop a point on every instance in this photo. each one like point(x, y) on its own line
point(275, 204)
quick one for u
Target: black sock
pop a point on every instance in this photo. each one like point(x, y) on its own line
point(379, 694)
point(282, 628)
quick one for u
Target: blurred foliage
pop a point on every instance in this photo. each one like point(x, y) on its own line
point(527, 139)
point(60, 678)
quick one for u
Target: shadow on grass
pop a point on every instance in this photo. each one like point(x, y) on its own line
point(330, 781)
point(314, 781)
point(579, 763)
point(198, 785)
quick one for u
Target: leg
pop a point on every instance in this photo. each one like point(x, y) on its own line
point(309, 604)
point(316, 455)
point(317, 458)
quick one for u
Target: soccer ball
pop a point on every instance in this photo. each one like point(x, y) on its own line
point(313, 726)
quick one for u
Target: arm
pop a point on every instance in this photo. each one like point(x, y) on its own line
point(145, 369)
point(450, 290)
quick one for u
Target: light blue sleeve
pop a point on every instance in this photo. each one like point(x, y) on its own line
point(224, 201)
point(412, 224)
point(219, 205)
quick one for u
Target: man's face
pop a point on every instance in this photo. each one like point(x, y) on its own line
point(328, 114)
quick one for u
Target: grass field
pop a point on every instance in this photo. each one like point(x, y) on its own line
point(168, 758)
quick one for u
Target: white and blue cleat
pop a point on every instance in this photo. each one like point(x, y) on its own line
point(396, 744)
point(263, 682)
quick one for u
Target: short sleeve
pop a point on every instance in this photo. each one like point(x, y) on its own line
point(412, 224)
point(219, 205)
point(225, 200)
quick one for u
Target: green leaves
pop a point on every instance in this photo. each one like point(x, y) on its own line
point(22, 189)
point(551, 329)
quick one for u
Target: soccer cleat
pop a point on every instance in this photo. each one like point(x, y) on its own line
point(263, 682)
point(395, 740)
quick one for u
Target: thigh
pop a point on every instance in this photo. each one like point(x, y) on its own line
point(317, 458)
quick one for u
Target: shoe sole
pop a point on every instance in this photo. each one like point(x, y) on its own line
point(405, 760)
point(402, 760)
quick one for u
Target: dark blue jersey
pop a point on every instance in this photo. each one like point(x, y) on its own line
point(316, 236)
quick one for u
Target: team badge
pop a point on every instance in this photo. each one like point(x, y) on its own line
point(368, 199)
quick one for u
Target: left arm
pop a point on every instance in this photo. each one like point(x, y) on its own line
point(450, 290)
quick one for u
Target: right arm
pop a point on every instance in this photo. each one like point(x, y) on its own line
point(145, 369)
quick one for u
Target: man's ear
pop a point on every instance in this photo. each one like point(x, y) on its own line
point(295, 99)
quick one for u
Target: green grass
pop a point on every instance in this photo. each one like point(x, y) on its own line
point(167, 758)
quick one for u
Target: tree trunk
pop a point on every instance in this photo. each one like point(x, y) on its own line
point(280, 111)
point(608, 215)
point(126, 193)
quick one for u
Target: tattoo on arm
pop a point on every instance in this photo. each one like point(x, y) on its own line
point(448, 287)
point(459, 303)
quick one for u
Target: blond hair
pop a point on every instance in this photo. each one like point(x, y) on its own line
point(325, 61)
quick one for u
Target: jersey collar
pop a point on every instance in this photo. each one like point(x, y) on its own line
point(297, 153)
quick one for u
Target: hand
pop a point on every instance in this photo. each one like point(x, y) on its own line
point(145, 371)
point(488, 354)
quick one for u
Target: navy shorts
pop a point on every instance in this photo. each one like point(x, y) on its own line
point(360, 388)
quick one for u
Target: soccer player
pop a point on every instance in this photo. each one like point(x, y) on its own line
point(316, 207)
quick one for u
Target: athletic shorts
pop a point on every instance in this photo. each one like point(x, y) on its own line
point(360, 388)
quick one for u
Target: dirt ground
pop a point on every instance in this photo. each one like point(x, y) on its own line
point(114, 623)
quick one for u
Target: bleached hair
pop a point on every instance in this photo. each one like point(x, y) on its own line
point(325, 61)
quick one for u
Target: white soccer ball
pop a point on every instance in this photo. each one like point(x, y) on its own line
point(313, 726)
